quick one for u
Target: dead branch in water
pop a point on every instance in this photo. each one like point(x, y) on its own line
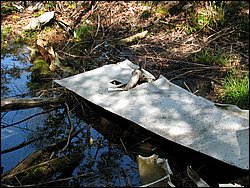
point(23, 120)
point(19, 146)
point(27, 166)
point(23, 103)
point(71, 127)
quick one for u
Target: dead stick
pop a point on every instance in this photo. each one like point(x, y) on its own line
point(52, 181)
point(124, 146)
point(23, 103)
point(28, 118)
point(139, 142)
point(29, 168)
point(71, 126)
point(187, 87)
point(19, 146)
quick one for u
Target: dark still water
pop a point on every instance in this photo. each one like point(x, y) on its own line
point(107, 162)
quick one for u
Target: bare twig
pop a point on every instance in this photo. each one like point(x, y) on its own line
point(187, 87)
point(223, 31)
point(18, 180)
point(85, 57)
point(52, 181)
point(96, 47)
point(28, 118)
point(139, 142)
point(124, 147)
point(197, 70)
point(194, 176)
point(71, 126)
point(157, 181)
point(19, 146)
point(98, 24)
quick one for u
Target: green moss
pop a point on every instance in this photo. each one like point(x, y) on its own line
point(83, 32)
point(40, 67)
point(39, 171)
point(29, 36)
point(161, 10)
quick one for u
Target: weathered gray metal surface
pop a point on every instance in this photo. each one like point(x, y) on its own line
point(220, 131)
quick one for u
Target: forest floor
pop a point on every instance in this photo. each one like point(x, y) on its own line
point(197, 59)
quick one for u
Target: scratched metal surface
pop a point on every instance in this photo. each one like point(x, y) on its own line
point(170, 111)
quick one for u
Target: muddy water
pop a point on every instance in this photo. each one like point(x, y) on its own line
point(108, 162)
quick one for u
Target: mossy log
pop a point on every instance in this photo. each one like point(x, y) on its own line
point(39, 167)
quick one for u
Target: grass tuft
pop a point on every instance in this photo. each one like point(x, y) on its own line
point(215, 57)
point(236, 90)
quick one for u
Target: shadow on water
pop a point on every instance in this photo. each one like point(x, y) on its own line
point(104, 163)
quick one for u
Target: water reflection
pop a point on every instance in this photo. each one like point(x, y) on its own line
point(106, 161)
point(14, 76)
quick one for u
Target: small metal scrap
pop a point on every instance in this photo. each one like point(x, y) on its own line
point(194, 176)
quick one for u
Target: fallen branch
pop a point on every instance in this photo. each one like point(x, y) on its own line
point(23, 103)
point(19, 146)
point(71, 127)
point(25, 165)
point(133, 37)
point(9, 125)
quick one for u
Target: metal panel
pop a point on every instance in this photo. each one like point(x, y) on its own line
point(220, 131)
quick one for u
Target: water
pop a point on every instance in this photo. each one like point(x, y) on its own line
point(103, 155)
point(14, 76)
point(108, 161)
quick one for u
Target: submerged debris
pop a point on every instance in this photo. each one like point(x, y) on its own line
point(154, 171)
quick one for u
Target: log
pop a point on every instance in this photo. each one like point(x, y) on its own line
point(28, 171)
point(9, 104)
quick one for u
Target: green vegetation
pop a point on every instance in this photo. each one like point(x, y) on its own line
point(83, 32)
point(214, 57)
point(5, 31)
point(29, 36)
point(236, 90)
point(40, 67)
point(39, 13)
point(7, 8)
point(161, 10)
point(146, 14)
point(210, 15)
point(49, 5)
point(72, 4)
